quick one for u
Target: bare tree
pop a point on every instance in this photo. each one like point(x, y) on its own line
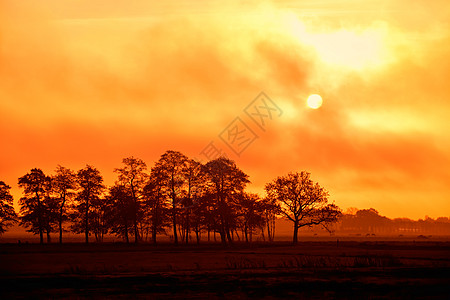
point(157, 210)
point(91, 187)
point(251, 212)
point(7, 214)
point(171, 168)
point(270, 211)
point(99, 216)
point(32, 204)
point(194, 189)
point(64, 186)
point(226, 181)
point(302, 201)
point(121, 211)
point(133, 178)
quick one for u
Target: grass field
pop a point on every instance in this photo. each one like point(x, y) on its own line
point(315, 269)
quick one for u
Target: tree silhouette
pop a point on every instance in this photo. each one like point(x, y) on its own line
point(51, 211)
point(133, 178)
point(194, 189)
point(193, 207)
point(365, 221)
point(302, 201)
point(91, 186)
point(199, 217)
point(369, 219)
point(33, 207)
point(7, 214)
point(63, 185)
point(156, 193)
point(226, 181)
point(251, 213)
point(121, 211)
point(207, 208)
point(99, 217)
point(171, 168)
point(270, 211)
point(179, 194)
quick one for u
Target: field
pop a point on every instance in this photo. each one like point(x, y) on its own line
point(312, 269)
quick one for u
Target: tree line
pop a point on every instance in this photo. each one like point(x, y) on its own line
point(177, 195)
point(370, 222)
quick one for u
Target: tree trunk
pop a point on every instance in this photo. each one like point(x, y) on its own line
point(295, 238)
point(126, 233)
point(230, 240)
point(135, 222)
point(174, 224)
point(187, 228)
point(41, 229)
point(246, 235)
point(179, 233)
point(60, 222)
point(155, 222)
point(48, 237)
point(237, 234)
point(174, 213)
point(262, 234)
point(271, 228)
point(198, 236)
point(136, 232)
point(60, 229)
point(209, 234)
point(222, 237)
point(222, 230)
point(272, 234)
point(86, 222)
point(61, 211)
point(154, 234)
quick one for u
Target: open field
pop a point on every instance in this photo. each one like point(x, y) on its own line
point(348, 269)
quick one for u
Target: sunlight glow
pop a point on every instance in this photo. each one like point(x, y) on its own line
point(351, 48)
point(314, 101)
point(389, 121)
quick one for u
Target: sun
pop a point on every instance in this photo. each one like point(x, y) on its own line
point(314, 101)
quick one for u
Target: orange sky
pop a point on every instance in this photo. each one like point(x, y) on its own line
point(91, 81)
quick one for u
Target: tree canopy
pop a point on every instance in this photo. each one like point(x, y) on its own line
point(7, 214)
point(302, 201)
point(35, 212)
point(91, 186)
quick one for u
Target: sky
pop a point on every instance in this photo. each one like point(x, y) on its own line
point(91, 82)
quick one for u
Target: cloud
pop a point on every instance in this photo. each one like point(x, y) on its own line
point(381, 138)
point(82, 87)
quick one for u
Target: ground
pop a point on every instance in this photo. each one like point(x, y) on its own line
point(314, 269)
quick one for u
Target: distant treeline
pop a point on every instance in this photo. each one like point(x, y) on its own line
point(368, 222)
point(178, 196)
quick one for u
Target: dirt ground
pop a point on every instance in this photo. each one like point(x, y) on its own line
point(325, 269)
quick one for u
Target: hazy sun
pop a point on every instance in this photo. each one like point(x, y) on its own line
point(314, 101)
